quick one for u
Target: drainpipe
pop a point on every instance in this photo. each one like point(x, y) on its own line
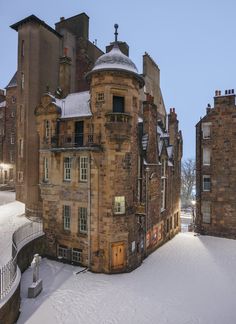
point(89, 212)
point(146, 205)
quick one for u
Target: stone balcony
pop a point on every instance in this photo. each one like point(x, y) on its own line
point(118, 125)
point(73, 140)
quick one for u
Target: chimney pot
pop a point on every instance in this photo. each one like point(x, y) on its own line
point(62, 18)
point(232, 91)
point(226, 92)
point(219, 92)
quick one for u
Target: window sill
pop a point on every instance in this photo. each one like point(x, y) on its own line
point(82, 234)
point(119, 214)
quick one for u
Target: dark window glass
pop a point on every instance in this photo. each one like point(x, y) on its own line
point(118, 104)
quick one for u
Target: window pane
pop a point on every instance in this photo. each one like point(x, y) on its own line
point(206, 212)
point(118, 104)
point(67, 168)
point(206, 130)
point(45, 168)
point(119, 207)
point(83, 168)
point(206, 183)
point(76, 255)
point(83, 219)
point(66, 217)
point(206, 156)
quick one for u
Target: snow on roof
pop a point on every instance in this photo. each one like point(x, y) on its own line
point(75, 105)
point(2, 104)
point(160, 146)
point(145, 141)
point(159, 130)
point(115, 59)
point(170, 163)
point(170, 151)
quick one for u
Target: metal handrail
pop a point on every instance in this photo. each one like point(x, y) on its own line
point(20, 237)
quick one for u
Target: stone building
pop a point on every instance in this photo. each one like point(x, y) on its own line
point(109, 170)
point(8, 134)
point(97, 156)
point(215, 168)
point(41, 65)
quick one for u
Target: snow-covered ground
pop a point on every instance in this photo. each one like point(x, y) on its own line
point(189, 280)
point(11, 217)
point(7, 197)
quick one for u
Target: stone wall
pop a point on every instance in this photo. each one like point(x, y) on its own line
point(9, 312)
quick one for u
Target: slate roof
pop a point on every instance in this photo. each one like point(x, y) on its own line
point(13, 82)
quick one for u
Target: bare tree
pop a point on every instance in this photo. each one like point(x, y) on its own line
point(188, 182)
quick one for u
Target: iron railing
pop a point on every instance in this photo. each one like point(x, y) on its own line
point(20, 237)
point(75, 140)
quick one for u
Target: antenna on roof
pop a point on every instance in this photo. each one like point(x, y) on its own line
point(116, 33)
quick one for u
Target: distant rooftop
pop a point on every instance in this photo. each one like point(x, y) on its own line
point(13, 82)
point(34, 19)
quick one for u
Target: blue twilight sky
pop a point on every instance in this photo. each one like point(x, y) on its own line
point(192, 41)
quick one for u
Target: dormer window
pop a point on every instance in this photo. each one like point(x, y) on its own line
point(118, 104)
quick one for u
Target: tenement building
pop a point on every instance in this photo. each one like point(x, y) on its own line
point(215, 168)
point(8, 133)
point(108, 157)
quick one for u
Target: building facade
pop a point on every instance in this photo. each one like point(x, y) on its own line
point(102, 163)
point(8, 135)
point(41, 66)
point(215, 168)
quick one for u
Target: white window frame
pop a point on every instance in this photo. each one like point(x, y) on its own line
point(83, 220)
point(206, 130)
point(21, 147)
point(67, 168)
point(62, 252)
point(47, 128)
point(206, 156)
point(66, 217)
point(11, 156)
point(83, 168)
point(12, 138)
point(22, 81)
point(163, 184)
point(204, 188)
point(46, 169)
point(20, 176)
point(119, 205)
point(206, 212)
point(76, 255)
point(100, 96)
